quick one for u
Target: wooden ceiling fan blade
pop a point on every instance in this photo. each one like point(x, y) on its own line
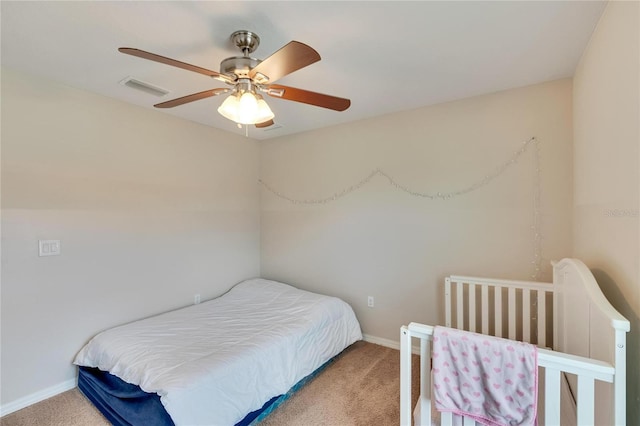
point(264, 124)
point(290, 58)
point(307, 97)
point(190, 98)
point(168, 61)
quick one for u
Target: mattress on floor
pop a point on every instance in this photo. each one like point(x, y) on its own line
point(215, 362)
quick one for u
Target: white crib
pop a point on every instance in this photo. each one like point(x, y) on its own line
point(587, 363)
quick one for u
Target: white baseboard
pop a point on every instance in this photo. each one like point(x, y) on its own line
point(393, 344)
point(381, 341)
point(28, 400)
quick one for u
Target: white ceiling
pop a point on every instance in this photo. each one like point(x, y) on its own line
point(386, 56)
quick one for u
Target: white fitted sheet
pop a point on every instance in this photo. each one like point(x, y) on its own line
point(215, 362)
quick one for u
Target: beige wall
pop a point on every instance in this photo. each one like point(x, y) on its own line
point(149, 209)
point(607, 178)
point(398, 248)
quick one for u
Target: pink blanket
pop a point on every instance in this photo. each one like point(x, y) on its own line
point(492, 380)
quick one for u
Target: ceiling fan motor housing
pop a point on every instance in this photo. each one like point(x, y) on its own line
point(238, 66)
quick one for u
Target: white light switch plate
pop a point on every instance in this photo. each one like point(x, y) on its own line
point(48, 247)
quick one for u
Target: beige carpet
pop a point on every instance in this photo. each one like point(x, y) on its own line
point(361, 387)
point(70, 408)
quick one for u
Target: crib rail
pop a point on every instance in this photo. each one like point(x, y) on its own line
point(554, 364)
point(518, 310)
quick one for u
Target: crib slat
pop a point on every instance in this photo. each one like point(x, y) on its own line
point(485, 309)
point(472, 307)
point(446, 419)
point(468, 422)
point(586, 388)
point(460, 302)
point(552, 396)
point(512, 313)
point(526, 315)
point(498, 311)
point(425, 378)
point(542, 319)
point(447, 301)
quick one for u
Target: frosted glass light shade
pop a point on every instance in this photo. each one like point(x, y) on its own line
point(246, 109)
point(264, 112)
point(229, 108)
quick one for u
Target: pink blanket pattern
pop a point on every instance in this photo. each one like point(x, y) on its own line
point(492, 380)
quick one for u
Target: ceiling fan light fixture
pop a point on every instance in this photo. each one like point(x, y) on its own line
point(264, 112)
point(229, 107)
point(248, 108)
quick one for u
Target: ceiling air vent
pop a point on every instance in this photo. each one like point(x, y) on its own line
point(143, 86)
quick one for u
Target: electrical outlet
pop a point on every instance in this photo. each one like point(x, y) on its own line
point(48, 247)
point(196, 299)
point(370, 301)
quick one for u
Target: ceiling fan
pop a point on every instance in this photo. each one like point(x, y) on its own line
point(248, 76)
